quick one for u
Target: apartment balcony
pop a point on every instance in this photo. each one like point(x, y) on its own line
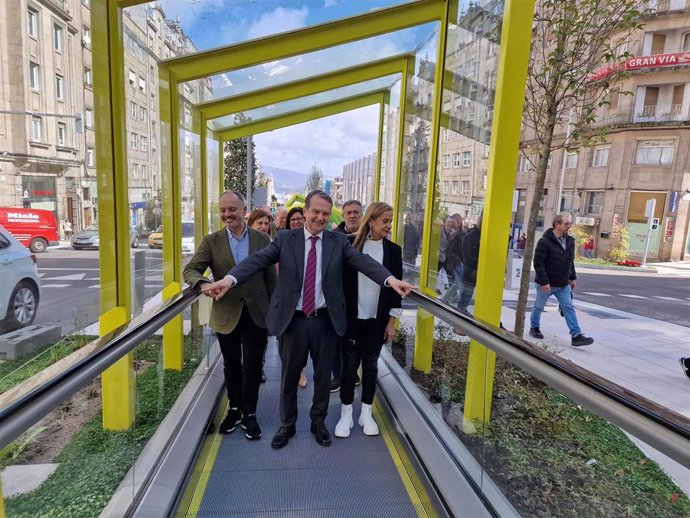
point(59, 7)
point(660, 7)
point(653, 114)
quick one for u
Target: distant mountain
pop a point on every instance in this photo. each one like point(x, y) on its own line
point(284, 180)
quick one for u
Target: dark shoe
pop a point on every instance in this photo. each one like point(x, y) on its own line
point(282, 436)
point(581, 340)
point(263, 376)
point(335, 384)
point(536, 333)
point(233, 418)
point(252, 430)
point(323, 436)
point(685, 363)
point(357, 380)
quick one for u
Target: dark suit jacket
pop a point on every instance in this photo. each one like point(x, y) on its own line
point(388, 298)
point(288, 249)
point(215, 253)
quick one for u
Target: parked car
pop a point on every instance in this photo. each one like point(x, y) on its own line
point(20, 288)
point(155, 239)
point(34, 228)
point(88, 238)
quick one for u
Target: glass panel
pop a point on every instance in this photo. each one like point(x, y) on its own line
point(391, 135)
point(319, 62)
point(301, 103)
point(471, 63)
point(67, 464)
point(244, 20)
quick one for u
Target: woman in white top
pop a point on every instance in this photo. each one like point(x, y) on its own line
point(372, 312)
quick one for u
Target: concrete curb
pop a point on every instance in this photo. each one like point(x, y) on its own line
point(640, 269)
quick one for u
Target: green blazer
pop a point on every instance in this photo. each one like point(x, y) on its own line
point(215, 253)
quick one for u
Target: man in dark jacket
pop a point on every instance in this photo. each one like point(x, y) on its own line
point(554, 264)
point(470, 264)
point(411, 241)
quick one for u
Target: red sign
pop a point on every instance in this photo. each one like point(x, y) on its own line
point(640, 63)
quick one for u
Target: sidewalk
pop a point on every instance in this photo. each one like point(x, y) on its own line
point(679, 268)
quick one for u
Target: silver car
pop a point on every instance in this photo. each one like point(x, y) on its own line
point(88, 238)
point(20, 288)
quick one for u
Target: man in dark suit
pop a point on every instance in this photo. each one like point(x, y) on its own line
point(308, 306)
point(238, 318)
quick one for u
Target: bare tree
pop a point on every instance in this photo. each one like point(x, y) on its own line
point(572, 64)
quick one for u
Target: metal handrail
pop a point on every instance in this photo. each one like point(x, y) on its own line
point(661, 428)
point(21, 414)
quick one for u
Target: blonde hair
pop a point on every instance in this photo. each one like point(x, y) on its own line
point(374, 211)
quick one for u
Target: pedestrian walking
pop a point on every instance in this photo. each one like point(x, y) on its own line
point(554, 266)
point(67, 229)
point(685, 364)
point(411, 241)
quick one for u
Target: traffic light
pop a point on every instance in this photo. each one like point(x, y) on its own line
point(655, 224)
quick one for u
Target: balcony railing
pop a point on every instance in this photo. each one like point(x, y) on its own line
point(653, 7)
point(623, 115)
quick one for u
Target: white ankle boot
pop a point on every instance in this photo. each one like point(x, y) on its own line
point(342, 429)
point(366, 421)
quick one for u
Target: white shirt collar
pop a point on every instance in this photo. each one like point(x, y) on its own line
point(308, 234)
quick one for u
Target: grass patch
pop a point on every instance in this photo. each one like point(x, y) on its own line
point(94, 463)
point(13, 372)
point(594, 260)
point(548, 455)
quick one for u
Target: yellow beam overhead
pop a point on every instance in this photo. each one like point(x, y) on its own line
point(309, 39)
point(304, 87)
point(299, 116)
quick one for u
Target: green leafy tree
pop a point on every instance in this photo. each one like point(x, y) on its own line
point(621, 243)
point(571, 39)
point(235, 165)
point(314, 178)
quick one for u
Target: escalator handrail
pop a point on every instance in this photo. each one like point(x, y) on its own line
point(27, 410)
point(661, 427)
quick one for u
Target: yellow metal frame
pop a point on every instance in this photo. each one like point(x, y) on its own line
point(505, 131)
point(379, 155)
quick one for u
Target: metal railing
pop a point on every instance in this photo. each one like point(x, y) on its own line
point(631, 114)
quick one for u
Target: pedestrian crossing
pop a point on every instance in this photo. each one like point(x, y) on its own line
point(52, 278)
point(632, 296)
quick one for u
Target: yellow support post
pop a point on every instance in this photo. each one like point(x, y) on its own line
point(113, 204)
point(505, 131)
point(424, 335)
point(379, 152)
point(2, 503)
point(396, 231)
point(172, 245)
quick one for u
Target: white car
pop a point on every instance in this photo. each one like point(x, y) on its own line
point(20, 289)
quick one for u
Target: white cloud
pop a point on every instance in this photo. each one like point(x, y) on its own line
point(280, 19)
point(330, 142)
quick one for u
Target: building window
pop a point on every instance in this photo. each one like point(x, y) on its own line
point(57, 38)
point(456, 159)
point(133, 109)
point(61, 134)
point(36, 129)
point(570, 160)
point(90, 157)
point(654, 153)
point(135, 171)
point(144, 171)
point(523, 164)
point(132, 78)
point(143, 114)
point(144, 144)
point(466, 158)
point(686, 42)
point(595, 202)
point(142, 85)
point(445, 187)
point(60, 87)
point(32, 23)
point(446, 161)
point(34, 76)
point(86, 37)
point(133, 140)
point(600, 157)
point(465, 187)
point(88, 78)
point(88, 117)
point(455, 187)
point(567, 201)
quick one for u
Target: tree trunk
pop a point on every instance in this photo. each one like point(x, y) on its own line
point(544, 153)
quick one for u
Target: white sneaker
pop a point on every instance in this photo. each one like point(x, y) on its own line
point(366, 421)
point(342, 429)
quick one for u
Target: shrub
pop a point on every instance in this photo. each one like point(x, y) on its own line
point(621, 242)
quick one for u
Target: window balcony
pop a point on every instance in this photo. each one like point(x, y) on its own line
point(653, 114)
point(659, 7)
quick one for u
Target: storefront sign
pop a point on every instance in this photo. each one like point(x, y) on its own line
point(641, 63)
point(588, 222)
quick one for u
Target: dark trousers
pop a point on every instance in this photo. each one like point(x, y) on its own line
point(306, 336)
point(243, 350)
point(338, 357)
point(365, 347)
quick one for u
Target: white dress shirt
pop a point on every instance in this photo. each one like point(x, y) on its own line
point(367, 290)
point(319, 299)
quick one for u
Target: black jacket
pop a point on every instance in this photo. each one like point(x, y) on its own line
point(411, 239)
point(470, 255)
point(554, 265)
point(388, 297)
point(341, 228)
point(454, 250)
